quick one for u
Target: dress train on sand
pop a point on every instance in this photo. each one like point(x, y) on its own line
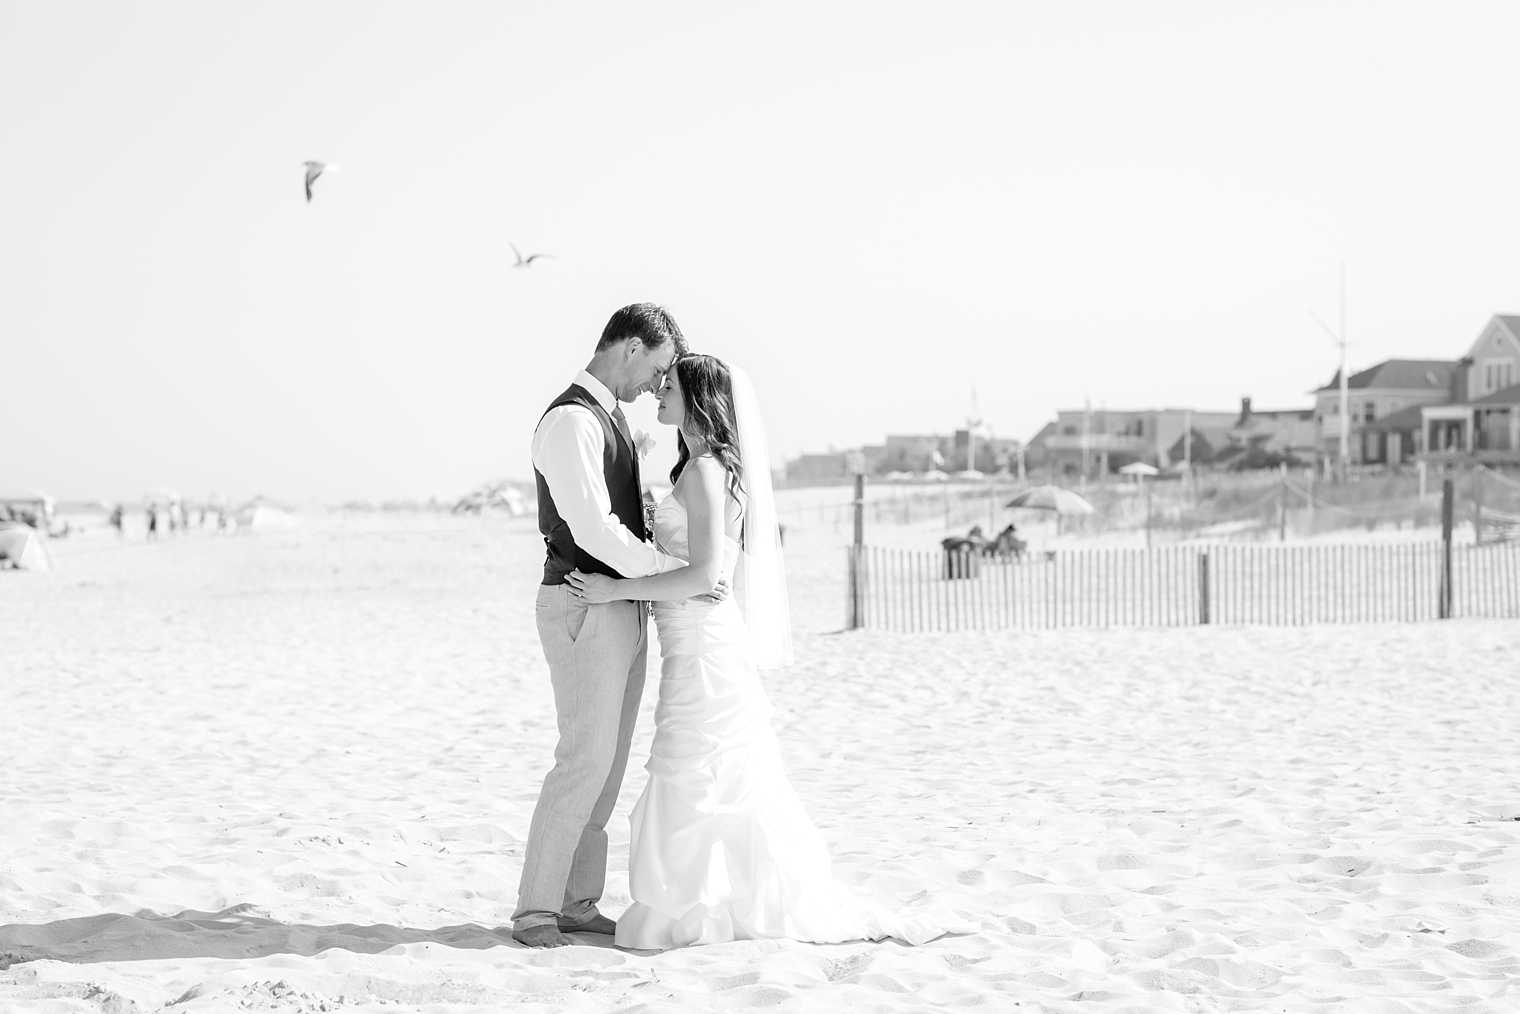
point(722, 848)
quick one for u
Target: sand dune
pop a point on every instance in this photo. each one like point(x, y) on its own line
point(292, 772)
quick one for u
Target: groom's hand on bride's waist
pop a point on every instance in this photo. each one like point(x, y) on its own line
point(718, 594)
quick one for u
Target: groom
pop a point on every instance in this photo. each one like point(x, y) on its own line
point(591, 513)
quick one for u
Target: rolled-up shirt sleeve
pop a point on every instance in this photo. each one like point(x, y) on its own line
point(567, 451)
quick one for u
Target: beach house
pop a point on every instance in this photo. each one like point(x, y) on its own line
point(1481, 421)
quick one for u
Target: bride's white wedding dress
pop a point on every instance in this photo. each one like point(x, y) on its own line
point(722, 848)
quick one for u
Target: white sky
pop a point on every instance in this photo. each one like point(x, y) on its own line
point(873, 207)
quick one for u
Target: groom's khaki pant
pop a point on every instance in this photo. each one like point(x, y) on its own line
point(597, 656)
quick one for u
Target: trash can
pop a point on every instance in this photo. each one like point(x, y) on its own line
point(961, 560)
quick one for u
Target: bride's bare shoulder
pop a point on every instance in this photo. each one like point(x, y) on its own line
point(701, 476)
point(717, 489)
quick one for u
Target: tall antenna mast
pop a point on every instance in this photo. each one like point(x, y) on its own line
point(1345, 394)
point(972, 425)
point(1339, 337)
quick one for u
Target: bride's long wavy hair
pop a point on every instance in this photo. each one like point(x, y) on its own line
point(707, 394)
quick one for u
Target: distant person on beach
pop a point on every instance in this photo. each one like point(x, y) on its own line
point(152, 522)
point(118, 516)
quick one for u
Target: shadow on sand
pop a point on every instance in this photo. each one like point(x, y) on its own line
point(238, 932)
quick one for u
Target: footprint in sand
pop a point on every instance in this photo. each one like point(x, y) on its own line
point(1240, 974)
point(760, 996)
point(1344, 866)
point(845, 968)
point(1120, 861)
point(1167, 943)
point(1478, 948)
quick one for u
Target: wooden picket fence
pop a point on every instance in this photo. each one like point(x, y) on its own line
point(1180, 585)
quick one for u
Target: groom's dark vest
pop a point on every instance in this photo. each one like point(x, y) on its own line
point(620, 467)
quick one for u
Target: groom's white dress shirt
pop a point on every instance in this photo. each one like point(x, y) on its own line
point(567, 451)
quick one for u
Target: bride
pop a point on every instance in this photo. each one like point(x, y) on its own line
point(721, 847)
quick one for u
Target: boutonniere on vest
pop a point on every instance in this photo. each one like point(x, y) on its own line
point(642, 442)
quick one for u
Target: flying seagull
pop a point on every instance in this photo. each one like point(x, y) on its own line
point(523, 262)
point(313, 170)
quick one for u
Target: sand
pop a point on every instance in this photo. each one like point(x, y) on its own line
point(292, 771)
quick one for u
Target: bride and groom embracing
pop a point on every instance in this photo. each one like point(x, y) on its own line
point(721, 847)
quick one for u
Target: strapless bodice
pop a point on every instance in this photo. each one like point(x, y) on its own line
point(671, 534)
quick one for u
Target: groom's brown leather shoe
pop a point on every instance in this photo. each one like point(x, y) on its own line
point(596, 924)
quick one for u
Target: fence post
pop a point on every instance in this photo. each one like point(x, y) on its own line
point(857, 545)
point(1309, 497)
point(1443, 603)
point(1203, 587)
point(1478, 504)
point(852, 589)
point(1282, 503)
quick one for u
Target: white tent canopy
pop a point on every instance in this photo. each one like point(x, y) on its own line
point(23, 547)
point(259, 516)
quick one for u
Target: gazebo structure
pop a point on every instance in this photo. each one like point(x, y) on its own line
point(1395, 438)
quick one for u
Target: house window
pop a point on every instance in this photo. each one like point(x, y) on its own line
point(1068, 431)
point(1369, 411)
point(1498, 374)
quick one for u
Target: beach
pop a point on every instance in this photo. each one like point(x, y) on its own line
point(293, 770)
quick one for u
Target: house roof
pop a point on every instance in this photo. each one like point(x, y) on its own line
point(1273, 418)
point(1406, 418)
point(1403, 374)
point(1206, 441)
point(1504, 396)
point(1038, 440)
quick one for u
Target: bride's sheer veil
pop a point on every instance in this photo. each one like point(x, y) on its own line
point(760, 579)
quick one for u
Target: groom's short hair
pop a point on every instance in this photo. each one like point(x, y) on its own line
point(649, 322)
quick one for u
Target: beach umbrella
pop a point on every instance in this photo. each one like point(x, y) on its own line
point(1139, 468)
point(1051, 498)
